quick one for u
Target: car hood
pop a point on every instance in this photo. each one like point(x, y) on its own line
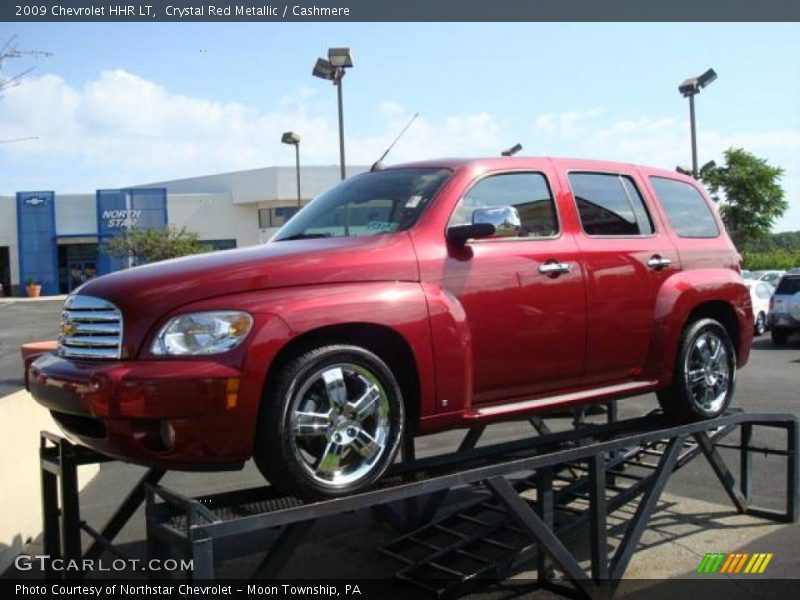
point(145, 294)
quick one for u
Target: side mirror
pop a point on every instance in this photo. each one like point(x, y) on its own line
point(459, 234)
point(498, 221)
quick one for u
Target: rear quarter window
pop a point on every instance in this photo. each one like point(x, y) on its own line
point(687, 210)
point(788, 286)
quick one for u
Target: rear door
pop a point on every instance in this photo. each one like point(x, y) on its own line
point(627, 255)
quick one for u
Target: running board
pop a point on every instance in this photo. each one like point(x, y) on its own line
point(597, 394)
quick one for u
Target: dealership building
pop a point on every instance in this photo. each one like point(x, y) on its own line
point(53, 238)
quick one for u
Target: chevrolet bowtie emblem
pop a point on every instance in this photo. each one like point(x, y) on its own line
point(67, 329)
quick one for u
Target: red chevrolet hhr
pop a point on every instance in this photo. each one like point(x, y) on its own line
point(406, 301)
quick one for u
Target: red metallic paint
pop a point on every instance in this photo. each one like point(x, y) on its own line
point(485, 328)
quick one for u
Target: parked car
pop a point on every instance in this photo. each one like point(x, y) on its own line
point(784, 316)
point(749, 275)
point(760, 294)
point(771, 277)
point(407, 301)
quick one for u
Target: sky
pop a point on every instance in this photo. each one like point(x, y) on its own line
point(125, 104)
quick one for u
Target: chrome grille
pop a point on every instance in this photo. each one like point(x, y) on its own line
point(90, 328)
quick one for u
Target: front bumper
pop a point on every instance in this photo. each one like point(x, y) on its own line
point(168, 413)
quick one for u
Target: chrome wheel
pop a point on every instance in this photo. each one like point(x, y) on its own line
point(708, 372)
point(340, 424)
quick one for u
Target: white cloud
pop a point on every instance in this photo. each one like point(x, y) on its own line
point(126, 130)
point(568, 124)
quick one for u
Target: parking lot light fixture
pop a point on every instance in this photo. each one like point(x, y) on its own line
point(324, 69)
point(293, 139)
point(689, 89)
point(333, 69)
point(340, 57)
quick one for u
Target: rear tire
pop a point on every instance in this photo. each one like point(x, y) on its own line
point(761, 324)
point(779, 336)
point(330, 423)
point(704, 377)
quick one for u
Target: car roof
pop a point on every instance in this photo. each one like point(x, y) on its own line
point(516, 162)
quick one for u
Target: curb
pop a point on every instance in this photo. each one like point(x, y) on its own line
point(23, 299)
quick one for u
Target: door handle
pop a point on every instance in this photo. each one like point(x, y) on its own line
point(658, 262)
point(554, 268)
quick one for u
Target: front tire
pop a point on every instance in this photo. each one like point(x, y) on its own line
point(330, 423)
point(705, 374)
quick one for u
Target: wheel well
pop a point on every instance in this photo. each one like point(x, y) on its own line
point(383, 341)
point(719, 311)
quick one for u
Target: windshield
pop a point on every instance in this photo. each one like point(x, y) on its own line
point(368, 204)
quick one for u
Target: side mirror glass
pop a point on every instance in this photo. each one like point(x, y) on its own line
point(505, 220)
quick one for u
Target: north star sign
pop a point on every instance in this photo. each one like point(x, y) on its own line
point(121, 218)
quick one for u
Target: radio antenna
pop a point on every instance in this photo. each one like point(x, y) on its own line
point(378, 164)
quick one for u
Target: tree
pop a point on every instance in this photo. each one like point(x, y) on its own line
point(152, 245)
point(749, 196)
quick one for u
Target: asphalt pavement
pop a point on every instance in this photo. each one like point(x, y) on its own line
point(21, 321)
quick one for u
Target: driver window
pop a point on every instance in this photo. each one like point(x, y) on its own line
point(527, 192)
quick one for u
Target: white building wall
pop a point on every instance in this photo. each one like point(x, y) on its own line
point(214, 217)
point(8, 233)
point(76, 214)
point(270, 184)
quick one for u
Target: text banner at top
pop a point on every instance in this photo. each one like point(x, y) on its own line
point(399, 10)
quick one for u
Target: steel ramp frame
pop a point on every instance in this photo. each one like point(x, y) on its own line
point(243, 522)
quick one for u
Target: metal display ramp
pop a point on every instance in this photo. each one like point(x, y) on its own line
point(530, 492)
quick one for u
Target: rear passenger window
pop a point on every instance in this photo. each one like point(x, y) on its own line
point(788, 286)
point(689, 214)
point(610, 204)
point(527, 192)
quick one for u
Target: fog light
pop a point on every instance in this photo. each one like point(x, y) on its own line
point(167, 434)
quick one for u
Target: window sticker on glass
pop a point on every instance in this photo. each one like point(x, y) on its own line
point(382, 226)
point(413, 201)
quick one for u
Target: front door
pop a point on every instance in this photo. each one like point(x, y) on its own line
point(523, 296)
point(79, 272)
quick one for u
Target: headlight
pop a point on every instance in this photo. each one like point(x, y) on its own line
point(210, 332)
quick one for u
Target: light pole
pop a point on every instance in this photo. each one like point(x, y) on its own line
point(333, 69)
point(689, 89)
point(293, 139)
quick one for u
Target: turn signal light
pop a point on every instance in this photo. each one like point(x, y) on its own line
point(231, 392)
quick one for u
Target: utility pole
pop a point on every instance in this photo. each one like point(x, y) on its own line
point(8, 51)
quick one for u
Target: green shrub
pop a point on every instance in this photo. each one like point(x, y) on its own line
point(774, 259)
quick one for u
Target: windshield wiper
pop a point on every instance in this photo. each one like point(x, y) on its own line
point(304, 236)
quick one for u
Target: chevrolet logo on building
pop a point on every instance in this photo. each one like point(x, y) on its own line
point(34, 201)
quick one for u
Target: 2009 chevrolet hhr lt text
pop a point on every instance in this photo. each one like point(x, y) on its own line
point(407, 301)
